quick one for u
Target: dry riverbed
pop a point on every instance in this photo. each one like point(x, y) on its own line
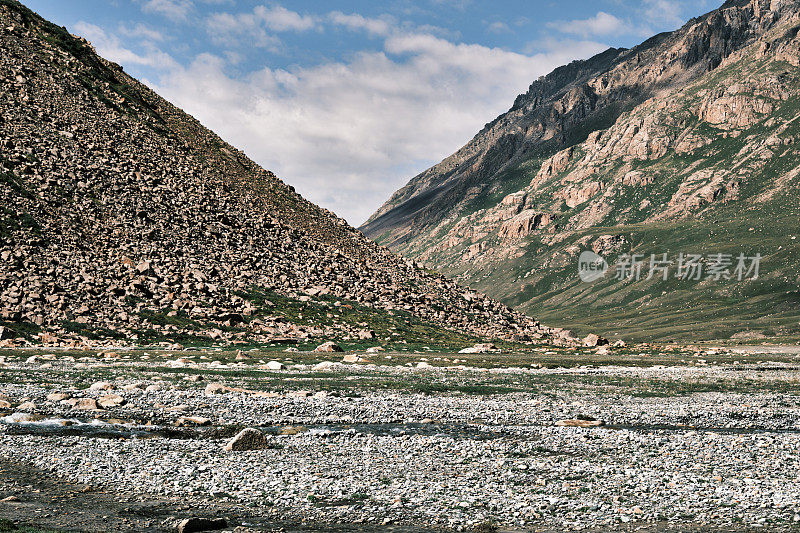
point(134, 440)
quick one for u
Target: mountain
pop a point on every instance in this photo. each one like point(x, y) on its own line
point(687, 143)
point(124, 220)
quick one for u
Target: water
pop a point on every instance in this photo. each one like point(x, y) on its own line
point(26, 424)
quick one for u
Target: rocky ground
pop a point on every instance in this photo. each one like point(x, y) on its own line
point(677, 438)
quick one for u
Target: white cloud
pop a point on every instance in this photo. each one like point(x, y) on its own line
point(347, 134)
point(499, 27)
point(599, 25)
point(461, 5)
point(177, 10)
point(110, 47)
point(354, 22)
point(278, 18)
point(230, 30)
point(139, 30)
point(256, 28)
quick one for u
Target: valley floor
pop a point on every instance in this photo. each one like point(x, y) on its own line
point(693, 439)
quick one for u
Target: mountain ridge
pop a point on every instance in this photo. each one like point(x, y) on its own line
point(573, 162)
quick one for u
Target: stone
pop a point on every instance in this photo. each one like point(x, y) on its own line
point(328, 347)
point(27, 406)
point(246, 440)
point(10, 499)
point(186, 421)
point(366, 334)
point(58, 396)
point(86, 404)
point(5, 404)
point(215, 388)
point(110, 400)
point(324, 365)
point(195, 525)
point(275, 365)
point(592, 340)
point(101, 385)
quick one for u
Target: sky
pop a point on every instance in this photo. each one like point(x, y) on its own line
point(347, 100)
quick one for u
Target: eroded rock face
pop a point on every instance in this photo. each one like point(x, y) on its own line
point(526, 223)
point(559, 107)
point(742, 104)
point(127, 217)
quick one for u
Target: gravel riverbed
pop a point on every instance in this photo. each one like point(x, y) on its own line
point(717, 458)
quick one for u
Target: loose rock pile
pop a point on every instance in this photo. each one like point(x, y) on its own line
point(122, 214)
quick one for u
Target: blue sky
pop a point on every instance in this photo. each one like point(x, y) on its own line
point(347, 100)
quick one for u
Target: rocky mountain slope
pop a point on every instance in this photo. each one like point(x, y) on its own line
point(123, 219)
point(687, 143)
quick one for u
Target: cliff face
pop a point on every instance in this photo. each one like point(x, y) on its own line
point(125, 220)
point(695, 127)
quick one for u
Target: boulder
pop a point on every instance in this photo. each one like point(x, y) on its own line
point(592, 340)
point(246, 440)
point(275, 365)
point(186, 421)
point(215, 388)
point(57, 397)
point(110, 400)
point(328, 347)
point(86, 404)
point(195, 525)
